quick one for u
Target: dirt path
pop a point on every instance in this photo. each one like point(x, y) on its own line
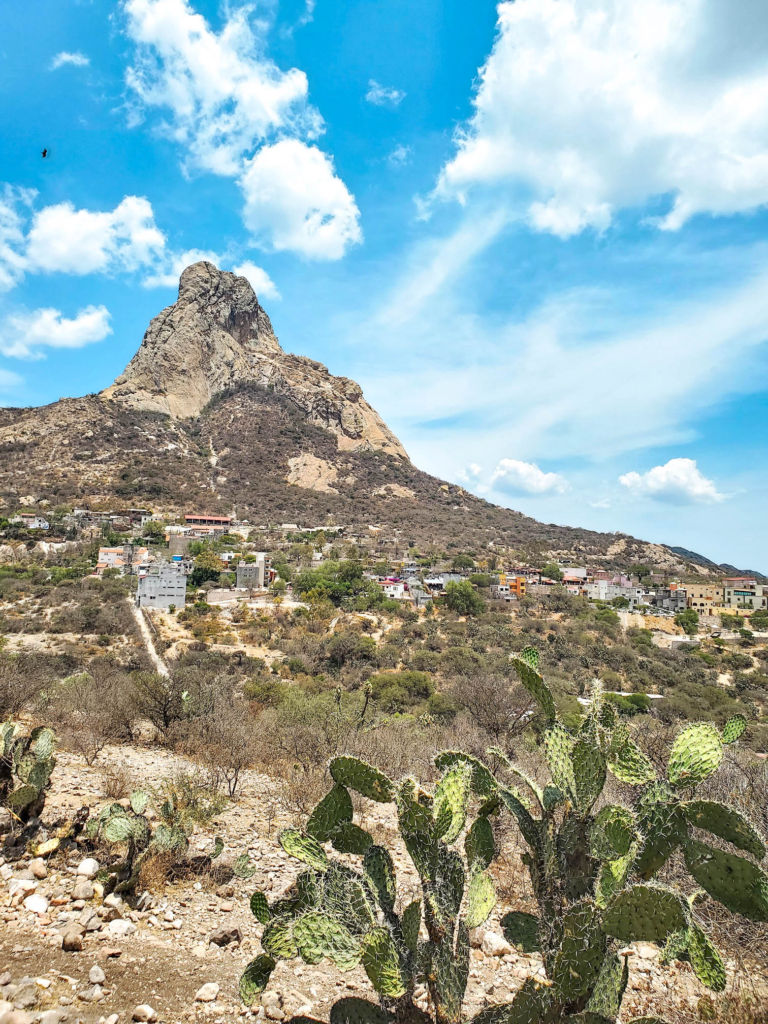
point(160, 667)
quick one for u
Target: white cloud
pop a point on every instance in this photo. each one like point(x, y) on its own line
point(12, 240)
point(400, 156)
point(383, 95)
point(73, 241)
point(294, 200)
point(679, 482)
point(515, 477)
point(167, 274)
point(24, 335)
point(75, 60)
point(259, 279)
point(585, 107)
point(235, 113)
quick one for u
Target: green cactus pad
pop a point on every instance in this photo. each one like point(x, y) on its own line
point(521, 930)
point(448, 887)
point(613, 874)
point(588, 773)
point(139, 799)
point(120, 828)
point(558, 748)
point(382, 964)
point(606, 997)
point(318, 935)
point(333, 809)
point(348, 837)
point(733, 729)
point(647, 1020)
point(44, 740)
point(612, 833)
point(481, 899)
point(727, 823)
point(22, 797)
point(358, 1011)
point(629, 764)
point(644, 913)
point(483, 782)
point(532, 1005)
point(346, 897)
point(478, 844)
point(169, 839)
point(525, 665)
point(736, 882)
point(278, 940)
point(581, 953)
point(410, 923)
point(304, 848)
point(449, 810)
point(530, 827)
point(451, 971)
point(705, 960)
point(380, 870)
point(255, 978)
point(260, 907)
point(696, 754)
point(663, 826)
point(355, 774)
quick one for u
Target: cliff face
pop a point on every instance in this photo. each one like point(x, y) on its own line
point(216, 337)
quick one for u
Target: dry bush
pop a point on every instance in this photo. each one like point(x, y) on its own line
point(155, 871)
point(116, 782)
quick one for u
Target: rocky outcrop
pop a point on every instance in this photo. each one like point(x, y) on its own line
point(216, 337)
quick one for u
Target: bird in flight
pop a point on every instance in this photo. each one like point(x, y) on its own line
point(44, 154)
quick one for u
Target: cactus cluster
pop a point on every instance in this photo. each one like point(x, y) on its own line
point(26, 764)
point(357, 915)
point(592, 867)
point(116, 824)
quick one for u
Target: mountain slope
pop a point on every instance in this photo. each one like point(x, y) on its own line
point(211, 414)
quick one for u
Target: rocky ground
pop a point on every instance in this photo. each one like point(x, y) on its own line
point(69, 954)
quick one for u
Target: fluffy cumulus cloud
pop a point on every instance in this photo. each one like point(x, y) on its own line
point(585, 107)
point(65, 239)
point(383, 95)
point(235, 113)
point(679, 482)
point(515, 477)
point(26, 335)
point(259, 279)
point(65, 59)
point(294, 200)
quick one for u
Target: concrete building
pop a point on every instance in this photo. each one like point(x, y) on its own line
point(164, 585)
point(30, 520)
point(252, 575)
point(604, 591)
point(219, 522)
point(125, 559)
point(704, 597)
point(667, 599)
point(745, 592)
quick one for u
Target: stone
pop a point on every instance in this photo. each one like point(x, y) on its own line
point(83, 890)
point(38, 868)
point(72, 939)
point(120, 928)
point(36, 903)
point(226, 936)
point(17, 1017)
point(26, 996)
point(207, 993)
point(113, 900)
point(88, 868)
point(495, 945)
point(144, 1013)
point(96, 975)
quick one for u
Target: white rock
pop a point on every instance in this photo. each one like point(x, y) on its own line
point(120, 927)
point(88, 868)
point(36, 903)
point(38, 868)
point(494, 945)
point(144, 1013)
point(96, 976)
point(207, 993)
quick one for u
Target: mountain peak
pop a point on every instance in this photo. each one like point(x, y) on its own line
point(217, 337)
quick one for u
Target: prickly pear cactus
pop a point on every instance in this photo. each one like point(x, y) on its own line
point(592, 873)
point(354, 916)
point(26, 764)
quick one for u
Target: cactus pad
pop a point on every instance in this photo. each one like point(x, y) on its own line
point(526, 666)
point(410, 923)
point(483, 783)
point(358, 1011)
point(705, 960)
point(521, 930)
point(581, 951)
point(558, 748)
point(255, 977)
point(304, 848)
point(736, 882)
point(727, 823)
point(277, 939)
point(260, 907)
point(696, 754)
point(139, 799)
point(588, 773)
point(333, 809)
point(733, 729)
point(449, 809)
point(382, 964)
point(380, 870)
point(478, 844)
point(663, 826)
point(612, 833)
point(348, 837)
point(629, 764)
point(644, 913)
point(481, 899)
point(608, 992)
point(355, 774)
point(318, 935)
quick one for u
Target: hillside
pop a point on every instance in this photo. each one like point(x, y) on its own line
point(212, 414)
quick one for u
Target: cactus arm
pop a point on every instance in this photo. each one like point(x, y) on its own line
point(355, 774)
point(645, 913)
point(333, 809)
point(526, 665)
point(734, 881)
point(255, 977)
point(695, 755)
point(726, 823)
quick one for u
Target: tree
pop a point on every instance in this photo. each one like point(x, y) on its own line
point(552, 571)
point(688, 619)
point(153, 530)
point(462, 598)
point(208, 566)
point(463, 562)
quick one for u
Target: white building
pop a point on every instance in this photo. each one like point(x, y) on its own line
point(164, 585)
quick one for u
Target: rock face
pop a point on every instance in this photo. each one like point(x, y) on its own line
point(217, 336)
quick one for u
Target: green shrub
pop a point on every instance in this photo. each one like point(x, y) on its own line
point(398, 691)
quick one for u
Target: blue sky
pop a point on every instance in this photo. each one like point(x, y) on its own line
point(535, 232)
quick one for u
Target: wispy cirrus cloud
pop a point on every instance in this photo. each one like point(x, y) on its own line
point(383, 95)
point(69, 59)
